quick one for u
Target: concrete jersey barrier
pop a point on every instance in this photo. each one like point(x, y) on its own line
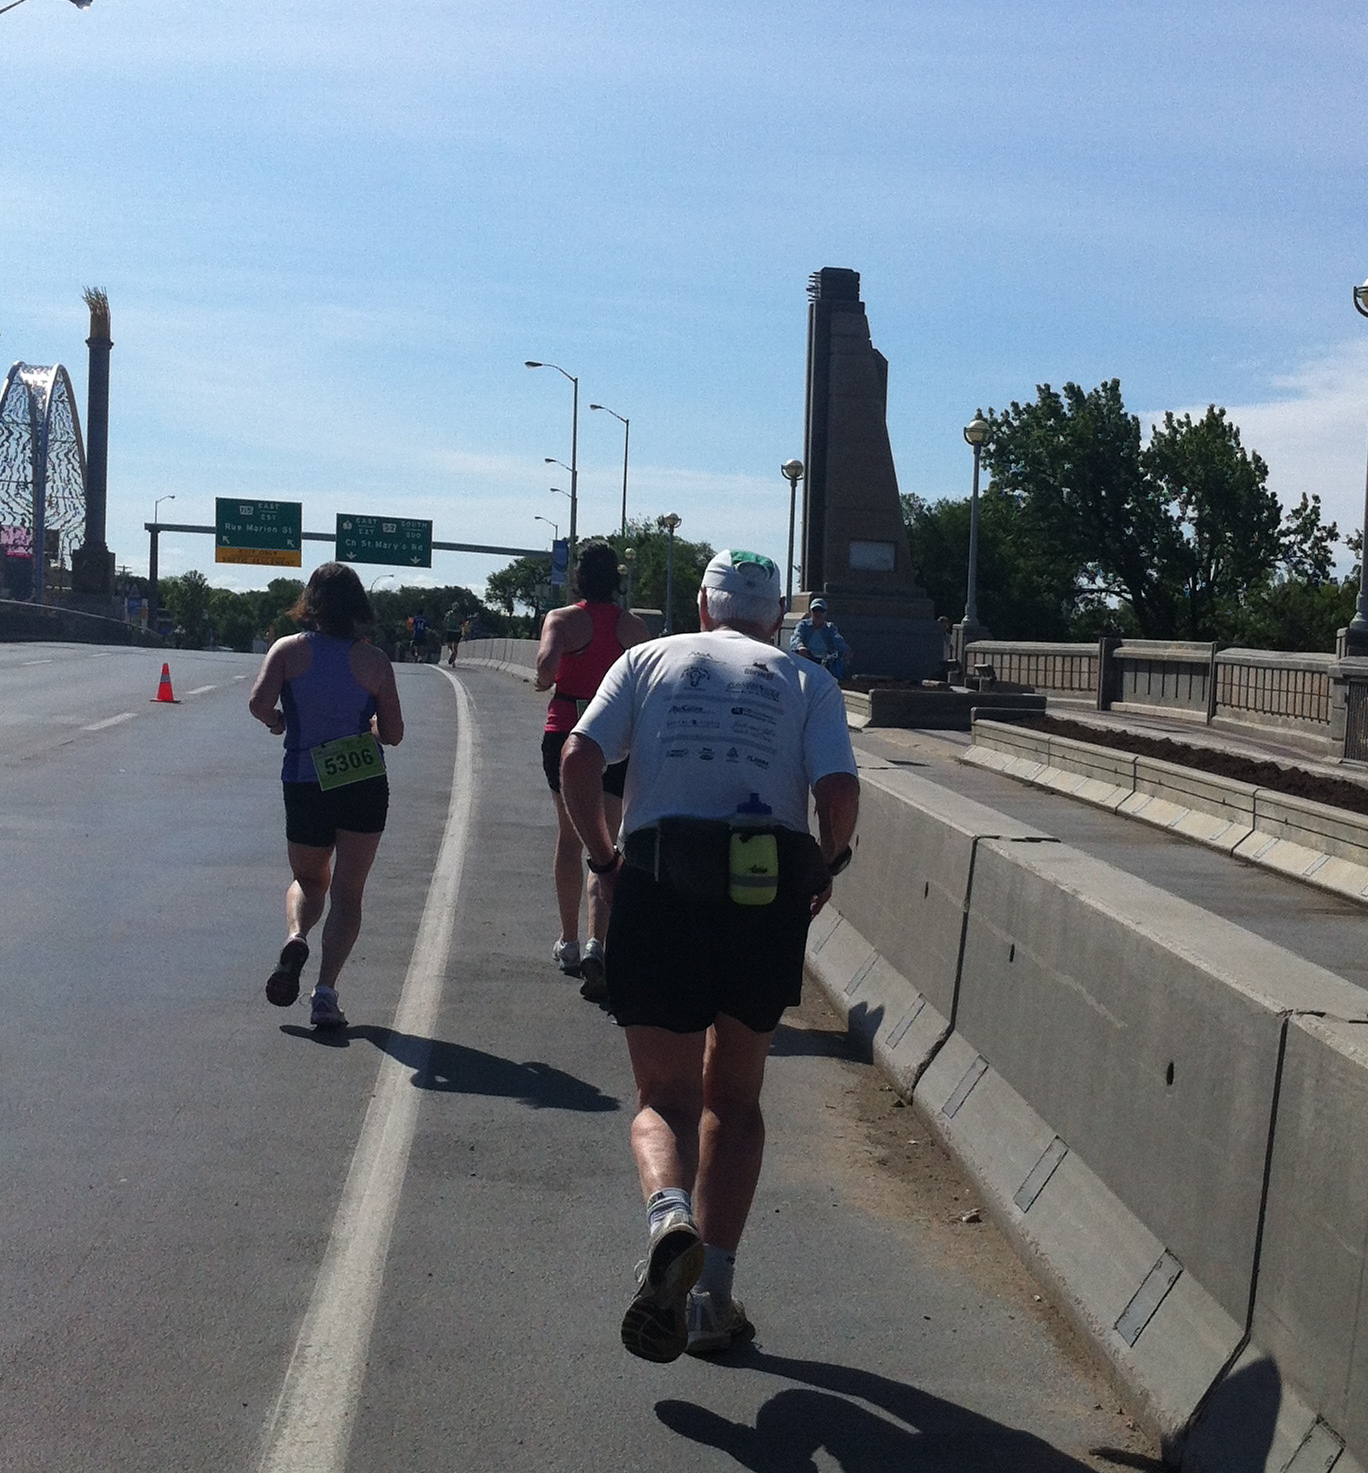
point(1114, 1082)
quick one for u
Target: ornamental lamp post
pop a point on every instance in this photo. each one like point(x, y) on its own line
point(976, 433)
point(792, 471)
point(626, 436)
point(669, 522)
point(573, 467)
point(1356, 642)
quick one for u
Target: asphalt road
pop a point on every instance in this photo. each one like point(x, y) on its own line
point(231, 1244)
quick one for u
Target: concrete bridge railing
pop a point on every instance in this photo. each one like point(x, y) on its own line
point(1163, 1111)
point(1319, 698)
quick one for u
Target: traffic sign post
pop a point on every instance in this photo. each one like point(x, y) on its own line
point(268, 532)
point(401, 542)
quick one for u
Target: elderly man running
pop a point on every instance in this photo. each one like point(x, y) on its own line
point(713, 890)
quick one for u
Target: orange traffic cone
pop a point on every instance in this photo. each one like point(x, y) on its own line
point(164, 689)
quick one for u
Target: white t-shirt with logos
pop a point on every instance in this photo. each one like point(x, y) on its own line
point(709, 719)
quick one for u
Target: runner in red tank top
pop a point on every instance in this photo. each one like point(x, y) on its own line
point(579, 644)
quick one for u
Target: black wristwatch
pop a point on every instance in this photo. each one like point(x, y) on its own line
point(603, 869)
point(841, 861)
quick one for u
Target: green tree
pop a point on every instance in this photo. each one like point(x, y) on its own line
point(1075, 462)
point(519, 584)
point(1231, 523)
point(186, 599)
point(232, 619)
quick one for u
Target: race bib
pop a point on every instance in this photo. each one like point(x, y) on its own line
point(347, 760)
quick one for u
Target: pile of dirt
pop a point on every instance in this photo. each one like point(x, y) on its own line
point(1297, 782)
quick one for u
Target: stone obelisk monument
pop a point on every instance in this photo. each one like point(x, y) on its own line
point(92, 564)
point(854, 548)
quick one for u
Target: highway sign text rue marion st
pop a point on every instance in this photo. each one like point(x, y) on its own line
point(258, 532)
point(399, 541)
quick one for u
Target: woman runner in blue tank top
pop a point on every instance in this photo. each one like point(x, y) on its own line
point(333, 698)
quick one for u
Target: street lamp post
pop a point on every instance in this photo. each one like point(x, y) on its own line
point(379, 579)
point(976, 433)
point(555, 526)
point(79, 4)
point(669, 523)
point(574, 446)
point(626, 436)
point(1357, 633)
point(153, 550)
point(792, 471)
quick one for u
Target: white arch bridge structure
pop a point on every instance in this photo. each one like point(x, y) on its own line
point(42, 473)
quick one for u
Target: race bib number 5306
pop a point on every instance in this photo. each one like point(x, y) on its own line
point(347, 760)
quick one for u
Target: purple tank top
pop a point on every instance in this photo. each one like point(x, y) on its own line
point(324, 703)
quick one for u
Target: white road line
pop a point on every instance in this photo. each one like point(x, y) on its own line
point(37, 662)
point(109, 721)
point(312, 1426)
point(199, 690)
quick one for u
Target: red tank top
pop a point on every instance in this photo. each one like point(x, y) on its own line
point(580, 674)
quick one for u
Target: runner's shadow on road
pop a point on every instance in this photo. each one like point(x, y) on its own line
point(865, 1423)
point(456, 1069)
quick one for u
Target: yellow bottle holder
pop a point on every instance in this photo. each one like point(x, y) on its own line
point(754, 868)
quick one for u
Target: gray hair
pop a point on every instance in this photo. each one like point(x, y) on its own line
point(735, 608)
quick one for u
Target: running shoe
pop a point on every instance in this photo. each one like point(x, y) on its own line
point(566, 955)
point(713, 1327)
point(655, 1326)
point(325, 1012)
point(593, 988)
point(282, 986)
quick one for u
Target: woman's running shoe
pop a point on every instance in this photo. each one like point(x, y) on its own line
point(282, 986)
point(325, 1012)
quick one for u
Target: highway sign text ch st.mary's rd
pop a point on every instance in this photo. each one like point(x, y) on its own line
point(403, 542)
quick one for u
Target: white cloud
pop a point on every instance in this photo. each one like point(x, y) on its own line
point(1312, 430)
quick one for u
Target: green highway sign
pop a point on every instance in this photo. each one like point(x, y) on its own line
point(258, 531)
point(402, 542)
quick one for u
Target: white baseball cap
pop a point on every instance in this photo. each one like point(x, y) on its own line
point(742, 573)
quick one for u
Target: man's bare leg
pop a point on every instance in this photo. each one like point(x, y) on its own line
point(669, 1077)
point(731, 1131)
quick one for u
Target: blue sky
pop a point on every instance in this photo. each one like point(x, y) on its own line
point(331, 235)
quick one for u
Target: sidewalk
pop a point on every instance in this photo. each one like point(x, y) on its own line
point(1310, 923)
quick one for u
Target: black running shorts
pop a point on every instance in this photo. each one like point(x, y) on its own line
point(676, 964)
point(614, 776)
point(313, 817)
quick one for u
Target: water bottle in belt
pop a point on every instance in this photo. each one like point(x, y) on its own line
point(754, 859)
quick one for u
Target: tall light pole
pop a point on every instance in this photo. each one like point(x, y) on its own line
point(792, 471)
point(555, 526)
point(380, 579)
point(669, 523)
point(626, 436)
point(153, 551)
point(1357, 643)
point(574, 447)
point(976, 433)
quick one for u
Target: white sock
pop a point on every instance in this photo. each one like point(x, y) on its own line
point(664, 1202)
point(716, 1279)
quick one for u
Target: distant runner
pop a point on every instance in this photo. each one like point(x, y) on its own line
point(333, 697)
point(418, 648)
point(579, 644)
point(453, 633)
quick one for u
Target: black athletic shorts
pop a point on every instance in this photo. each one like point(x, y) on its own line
point(676, 963)
point(313, 817)
point(614, 776)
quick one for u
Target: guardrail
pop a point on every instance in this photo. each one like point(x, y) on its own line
point(1161, 1109)
point(1309, 696)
